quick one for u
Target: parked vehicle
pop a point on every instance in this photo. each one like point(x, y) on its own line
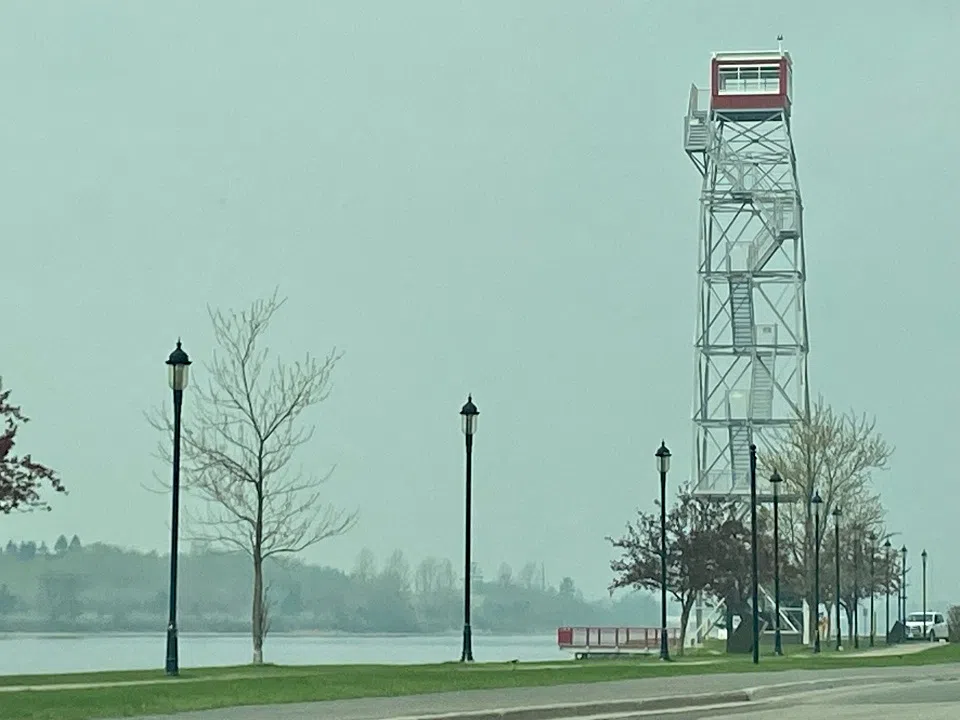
point(935, 626)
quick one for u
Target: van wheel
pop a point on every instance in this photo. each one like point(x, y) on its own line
point(933, 636)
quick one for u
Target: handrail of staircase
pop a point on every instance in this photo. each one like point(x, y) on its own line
point(694, 105)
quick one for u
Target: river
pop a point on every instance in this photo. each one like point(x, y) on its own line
point(22, 653)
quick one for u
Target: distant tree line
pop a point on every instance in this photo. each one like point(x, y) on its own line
point(106, 588)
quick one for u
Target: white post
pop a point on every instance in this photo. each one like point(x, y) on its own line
point(807, 624)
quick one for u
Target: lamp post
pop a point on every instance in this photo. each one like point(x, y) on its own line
point(179, 366)
point(888, 562)
point(923, 556)
point(753, 544)
point(468, 414)
point(903, 586)
point(836, 525)
point(856, 588)
point(776, 479)
point(816, 501)
point(663, 465)
point(873, 585)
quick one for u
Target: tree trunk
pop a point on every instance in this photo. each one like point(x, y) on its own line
point(256, 624)
point(728, 611)
point(848, 611)
point(685, 609)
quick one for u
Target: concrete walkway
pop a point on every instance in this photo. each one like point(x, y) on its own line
point(893, 650)
point(128, 683)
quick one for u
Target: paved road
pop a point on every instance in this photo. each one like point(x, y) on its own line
point(383, 708)
point(935, 699)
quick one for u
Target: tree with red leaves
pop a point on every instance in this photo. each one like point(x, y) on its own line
point(702, 551)
point(20, 477)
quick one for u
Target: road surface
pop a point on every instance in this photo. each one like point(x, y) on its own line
point(385, 708)
point(935, 699)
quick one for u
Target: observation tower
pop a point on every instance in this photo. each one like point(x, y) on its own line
point(751, 338)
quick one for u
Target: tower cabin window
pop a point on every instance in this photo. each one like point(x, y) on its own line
point(749, 79)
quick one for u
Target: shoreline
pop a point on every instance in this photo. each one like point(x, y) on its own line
point(320, 634)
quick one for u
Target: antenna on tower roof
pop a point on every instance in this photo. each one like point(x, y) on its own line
point(780, 44)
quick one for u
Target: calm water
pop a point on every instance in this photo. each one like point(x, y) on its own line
point(58, 653)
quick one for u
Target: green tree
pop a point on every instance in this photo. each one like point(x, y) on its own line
point(60, 547)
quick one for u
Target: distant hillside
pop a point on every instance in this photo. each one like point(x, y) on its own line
point(106, 588)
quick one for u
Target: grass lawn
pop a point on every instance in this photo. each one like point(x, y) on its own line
point(208, 688)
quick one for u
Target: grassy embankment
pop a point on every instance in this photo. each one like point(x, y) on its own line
point(149, 692)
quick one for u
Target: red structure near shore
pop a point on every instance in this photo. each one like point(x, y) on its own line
point(605, 641)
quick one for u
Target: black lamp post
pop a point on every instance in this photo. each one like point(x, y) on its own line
point(663, 465)
point(816, 501)
point(856, 588)
point(468, 414)
point(753, 544)
point(923, 557)
point(776, 479)
point(836, 525)
point(887, 587)
point(873, 585)
point(179, 366)
point(903, 586)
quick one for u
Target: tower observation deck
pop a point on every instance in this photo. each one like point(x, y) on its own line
point(751, 338)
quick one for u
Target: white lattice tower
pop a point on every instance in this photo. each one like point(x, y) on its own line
point(751, 338)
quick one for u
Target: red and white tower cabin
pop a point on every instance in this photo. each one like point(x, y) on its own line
point(745, 81)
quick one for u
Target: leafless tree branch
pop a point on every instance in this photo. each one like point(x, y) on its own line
point(835, 455)
point(240, 433)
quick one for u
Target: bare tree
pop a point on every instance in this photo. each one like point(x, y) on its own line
point(527, 574)
point(239, 441)
point(505, 575)
point(397, 570)
point(446, 578)
point(365, 566)
point(834, 454)
point(425, 578)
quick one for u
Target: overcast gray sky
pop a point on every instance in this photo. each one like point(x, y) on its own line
point(486, 197)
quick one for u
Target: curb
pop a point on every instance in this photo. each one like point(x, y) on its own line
point(666, 702)
point(589, 709)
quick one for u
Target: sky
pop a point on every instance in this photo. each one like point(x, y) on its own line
point(487, 198)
